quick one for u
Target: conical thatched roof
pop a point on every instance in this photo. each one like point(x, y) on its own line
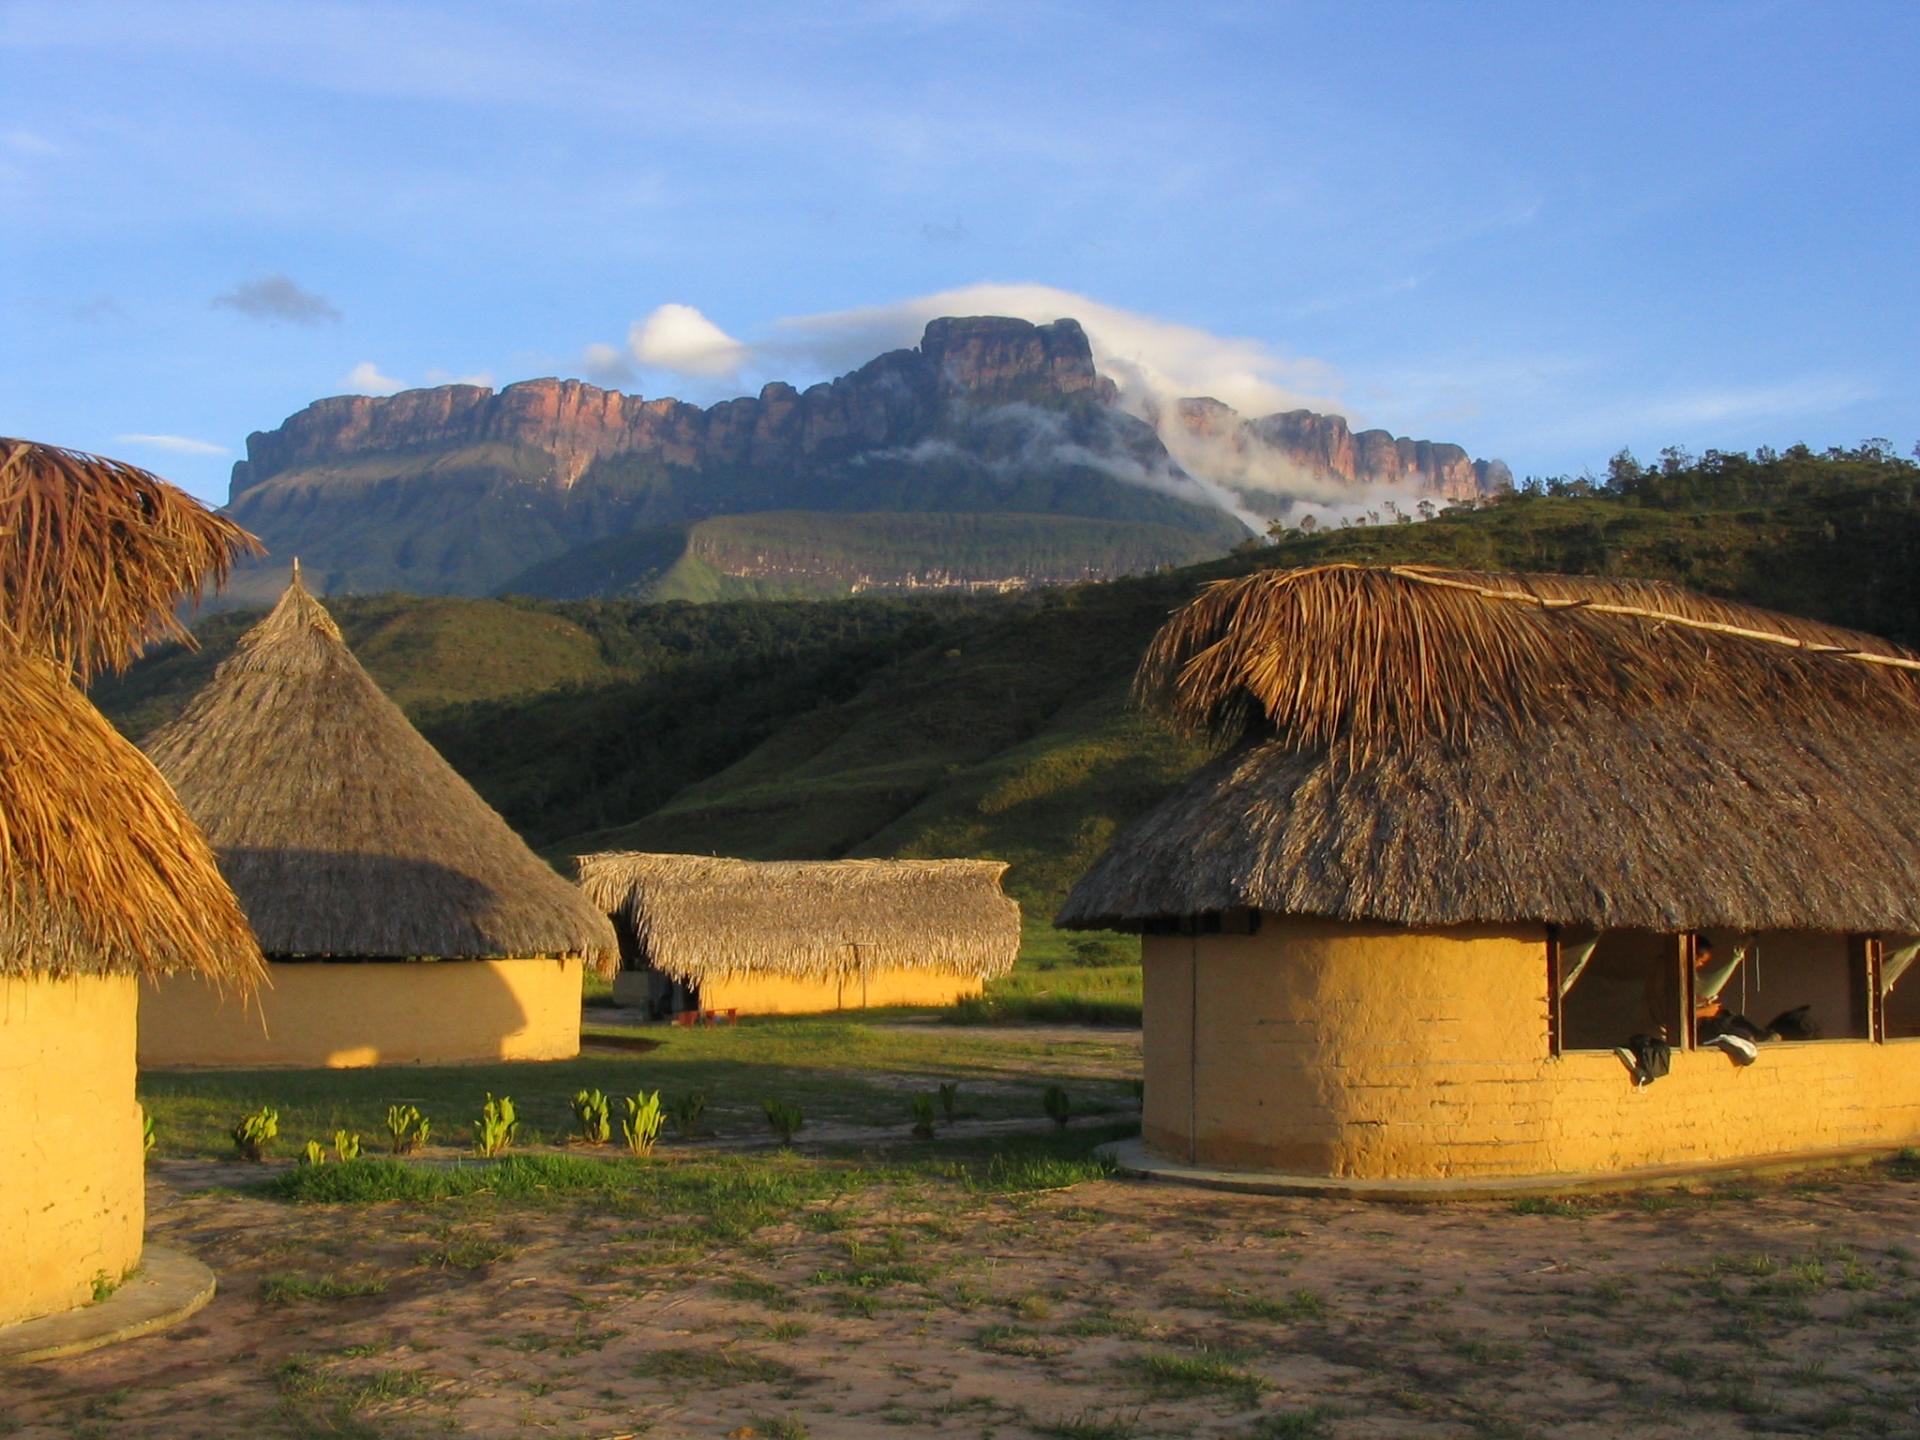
point(1432, 748)
point(340, 828)
point(700, 918)
point(95, 556)
point(101, 871)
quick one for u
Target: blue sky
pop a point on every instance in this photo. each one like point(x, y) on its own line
point(1541, 231)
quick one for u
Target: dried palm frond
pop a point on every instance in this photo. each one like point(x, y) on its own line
point(700, 917)
point(96, 555)
point(1358, 655)
point(101, 871)
point(1438, 748)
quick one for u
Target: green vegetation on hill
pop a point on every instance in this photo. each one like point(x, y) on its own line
point(1001, 726)
point(813, 554)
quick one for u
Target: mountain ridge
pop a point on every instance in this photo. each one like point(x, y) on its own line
point(461, 488)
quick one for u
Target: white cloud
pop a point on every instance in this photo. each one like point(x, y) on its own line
point(437, 376)
point(366, 379)
point(174, 444)
point(682, 341)
point(606, 365)
point(1152, 360)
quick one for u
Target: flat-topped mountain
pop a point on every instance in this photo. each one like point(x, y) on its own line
point(467, 490)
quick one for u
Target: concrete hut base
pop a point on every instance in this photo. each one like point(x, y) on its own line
point(1132, 1158)
point(167, 1288)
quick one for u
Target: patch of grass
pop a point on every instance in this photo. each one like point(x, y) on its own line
point(282, 1287)
point(1015, 1340)
point(713, 1367)
point(1203, 1371)
point(1312, 1423)
point(469, 1252)
point(1092, 1425)
point(759, 1292)
point(1564, 1206)
point(836, 1069)
point(1297, 1307)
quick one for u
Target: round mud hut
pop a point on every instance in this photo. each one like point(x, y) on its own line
point(704, 933)
point(1469, 845)
point(103, 878)
point(403, 921)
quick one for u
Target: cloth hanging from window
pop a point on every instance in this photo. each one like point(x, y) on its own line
point(1575, 952)
point(1894, 963)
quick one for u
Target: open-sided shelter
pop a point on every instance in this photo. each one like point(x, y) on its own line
point(1464, 841)
point(789, 936)
point(103, 878)
point(402, 919)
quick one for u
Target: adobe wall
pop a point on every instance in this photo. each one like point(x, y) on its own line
point(72, 1184)
point(780, 995)
point(441, 1012)
point(1373, 1052)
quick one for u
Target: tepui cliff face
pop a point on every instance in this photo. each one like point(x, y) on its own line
point(461, 488)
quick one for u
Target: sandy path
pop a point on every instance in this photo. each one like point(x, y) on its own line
point(1113, 1309)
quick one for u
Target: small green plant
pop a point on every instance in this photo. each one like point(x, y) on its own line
point(314, 1154)
point(685, 1113)
point(146, 1132)
point(1058, 1107)
point(408, 1127)
point(922, 1117)
point(103, 1286)
point(949, 1100)
point(493, 1132)
point(592, 1117)
point(786, 1118)
point(253, 1134)
point(345, 1146)
point(640, 1127)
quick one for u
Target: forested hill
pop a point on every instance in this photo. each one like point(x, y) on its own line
point(1001, 726)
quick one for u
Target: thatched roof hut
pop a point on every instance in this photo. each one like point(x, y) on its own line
point(101, 871)
point(700, 919)
point(1428, 747)
point(1466, 838)
point(103, 878)
point(344, 833)
point(96, 556)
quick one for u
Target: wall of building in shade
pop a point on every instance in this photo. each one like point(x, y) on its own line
point(74, 1204)
point(795, 995)
point(345, 1014)
point(1318, 1048)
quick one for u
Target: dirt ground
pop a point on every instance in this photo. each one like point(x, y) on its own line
point(1112, 1309)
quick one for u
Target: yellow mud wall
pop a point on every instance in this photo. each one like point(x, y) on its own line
point(72, 1187)
point(1374, 1052)
point(340, 1015)
point(779, 995)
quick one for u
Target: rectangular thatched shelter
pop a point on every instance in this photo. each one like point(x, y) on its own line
point(775, 937)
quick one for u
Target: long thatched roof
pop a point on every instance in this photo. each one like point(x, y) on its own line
point(101, 871)
point(341, 829)
point(1432, 747)
point(96, 555)
point(700, 918)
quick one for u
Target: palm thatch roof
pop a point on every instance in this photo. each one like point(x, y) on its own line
point(699, 918)
point(341, 829)
point(95, 556)
point(1429, 747)
point(101, 871)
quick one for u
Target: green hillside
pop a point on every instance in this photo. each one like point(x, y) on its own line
point(1000, 726)
point(815, 554)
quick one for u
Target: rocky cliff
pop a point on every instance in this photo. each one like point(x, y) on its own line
point(461, 488)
